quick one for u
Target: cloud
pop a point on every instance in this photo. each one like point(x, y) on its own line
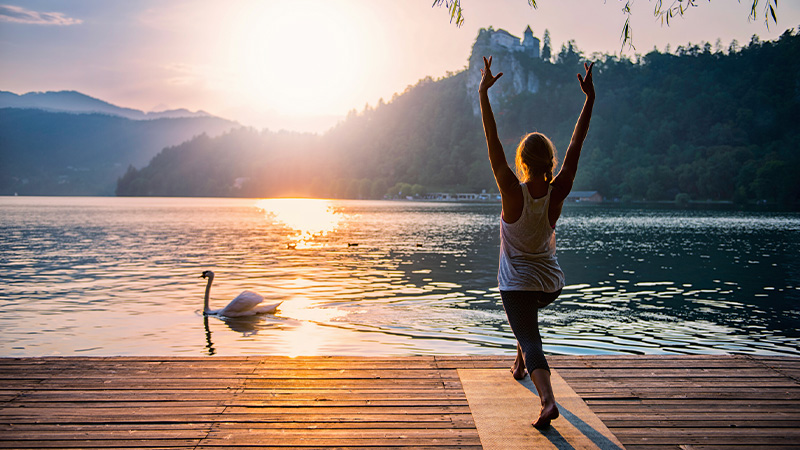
point(16, 14)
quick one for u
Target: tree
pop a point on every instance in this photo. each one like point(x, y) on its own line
point(546, 46)
point(664, 13)
point(569, 54)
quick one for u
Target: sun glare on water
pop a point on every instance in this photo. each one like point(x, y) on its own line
point(307, 218)
point(305, 221)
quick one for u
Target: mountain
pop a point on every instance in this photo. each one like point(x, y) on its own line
point(76, 102)
point(240, 163)
point(44, 151)
point(701, 123)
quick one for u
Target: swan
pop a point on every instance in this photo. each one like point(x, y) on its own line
point(247, 303)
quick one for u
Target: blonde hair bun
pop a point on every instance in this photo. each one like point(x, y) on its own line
point(536, 157)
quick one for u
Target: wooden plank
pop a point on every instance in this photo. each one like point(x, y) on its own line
point(265, 434)
point(698, 393)
point(672, 372)
point(708, 432)
point(744, 446)
point(221, 376)
point(251, 433)
point(345, 402)
point(89, 383)
point(324, 409)
point(701, 422)
point(89, 397)
point(354, 446)
point(283, 417)
point(318, 422)
point(682, 411)
point(236, 440)
point(114, 443)
point(101, 435)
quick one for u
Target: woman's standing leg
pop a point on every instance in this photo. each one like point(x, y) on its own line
point(549, 411)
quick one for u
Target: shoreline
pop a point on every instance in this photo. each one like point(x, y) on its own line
point(713, 205)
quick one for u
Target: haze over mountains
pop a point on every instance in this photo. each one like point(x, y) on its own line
point(76, 102)
point(68, 143)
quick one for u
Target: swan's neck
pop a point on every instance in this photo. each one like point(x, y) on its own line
point(208, 291)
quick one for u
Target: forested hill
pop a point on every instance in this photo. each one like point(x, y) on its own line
point(706, 122)
point(66, 153)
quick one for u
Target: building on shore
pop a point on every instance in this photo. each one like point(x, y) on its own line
point(573, 197)
point(461, 197)
point(584, 196)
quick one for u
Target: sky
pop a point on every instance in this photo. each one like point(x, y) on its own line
point(304, 64)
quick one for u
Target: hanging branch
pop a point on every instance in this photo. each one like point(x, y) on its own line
point(456, 12)
point(676, 9)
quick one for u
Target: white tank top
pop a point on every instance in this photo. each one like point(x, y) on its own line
point(528, 249)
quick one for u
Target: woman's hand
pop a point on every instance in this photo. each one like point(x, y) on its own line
point(587, 86)
point(487, 80)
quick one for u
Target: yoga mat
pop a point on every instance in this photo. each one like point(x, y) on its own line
point(503, 409)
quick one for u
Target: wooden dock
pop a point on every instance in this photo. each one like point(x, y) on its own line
point(648, 402)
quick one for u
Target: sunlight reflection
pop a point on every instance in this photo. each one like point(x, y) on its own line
point(308, 218)
point(307, 345)
point(307, 310)
point(309, 337)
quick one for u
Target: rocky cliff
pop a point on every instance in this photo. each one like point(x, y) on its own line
point(510, 56)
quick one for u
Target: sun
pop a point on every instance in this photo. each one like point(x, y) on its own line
point(298, 57)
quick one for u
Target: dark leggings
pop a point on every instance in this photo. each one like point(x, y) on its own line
point(522, 310)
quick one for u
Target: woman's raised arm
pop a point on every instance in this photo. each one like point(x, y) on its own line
point(506, 180)
point(562, 184)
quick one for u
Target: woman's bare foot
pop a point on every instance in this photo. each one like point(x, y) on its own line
point(548, 413)
point(518, 369)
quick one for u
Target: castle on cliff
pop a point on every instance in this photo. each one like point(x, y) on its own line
point(504, 39)
point(516, 58)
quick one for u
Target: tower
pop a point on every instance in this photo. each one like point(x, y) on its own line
point(530, 43)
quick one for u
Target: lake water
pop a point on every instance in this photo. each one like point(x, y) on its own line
point(119, 276)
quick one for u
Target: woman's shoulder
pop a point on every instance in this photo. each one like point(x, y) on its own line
point(513, 200)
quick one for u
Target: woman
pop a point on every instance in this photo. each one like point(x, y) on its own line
point(529, 276)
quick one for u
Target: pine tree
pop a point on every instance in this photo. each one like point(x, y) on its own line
point(546, 46)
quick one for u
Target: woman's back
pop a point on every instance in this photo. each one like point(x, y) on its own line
point(528, 248)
